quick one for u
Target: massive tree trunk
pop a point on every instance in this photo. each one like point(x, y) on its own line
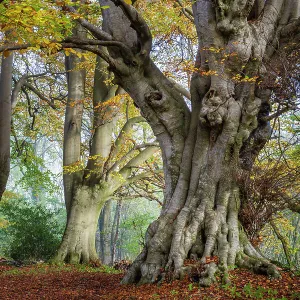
point(205, 149)
point(5, 118)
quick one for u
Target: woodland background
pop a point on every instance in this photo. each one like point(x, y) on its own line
point(32, 208)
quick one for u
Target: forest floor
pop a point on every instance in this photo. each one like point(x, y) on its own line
point(42, 281)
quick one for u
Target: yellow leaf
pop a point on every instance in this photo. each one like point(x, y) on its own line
point(129, 2)
point(46, 41)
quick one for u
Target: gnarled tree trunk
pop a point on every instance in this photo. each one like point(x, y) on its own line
point(204, 150)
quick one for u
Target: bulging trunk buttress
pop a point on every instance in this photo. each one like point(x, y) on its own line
point(201, 220)
point(78, 244)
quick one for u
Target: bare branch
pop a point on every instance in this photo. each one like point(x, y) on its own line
point(125, 50)
point(284, 241)
point(10, 47)
point(40, 95)
point(180, 89)
point(131, 151)
point(19, 84)
point(126, 128)
point(95, 31)
point(16, 90)
point(186, 11)
point(138, 160)
point(279, 112)
point(94, 50)
point(144, 175)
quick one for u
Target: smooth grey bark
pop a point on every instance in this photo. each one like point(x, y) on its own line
point(5, 118)
point(105, 233)
point(72, 125)
point(115, 230)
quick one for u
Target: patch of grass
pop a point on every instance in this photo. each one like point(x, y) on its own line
point(49, 268)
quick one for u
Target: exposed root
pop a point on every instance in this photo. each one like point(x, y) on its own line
point(208, 276)
point(76, 257)
point(258, 266)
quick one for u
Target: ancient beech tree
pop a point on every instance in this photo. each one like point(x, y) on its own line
point(204, 148)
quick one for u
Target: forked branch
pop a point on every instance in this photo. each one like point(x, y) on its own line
point(138, 24)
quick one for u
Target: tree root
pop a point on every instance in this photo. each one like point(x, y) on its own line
point(204, 274)
point(73, 257)
point(208, 276)
point(258, 266)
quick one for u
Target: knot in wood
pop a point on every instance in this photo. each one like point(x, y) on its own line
point(157, 100)
point(213, 110)
point(155, 95)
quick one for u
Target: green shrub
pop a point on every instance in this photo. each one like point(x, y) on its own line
point(30, 231)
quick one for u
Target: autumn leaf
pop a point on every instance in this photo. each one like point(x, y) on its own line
point(6, 53)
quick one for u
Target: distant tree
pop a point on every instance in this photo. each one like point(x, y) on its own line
point(5, 118)
point(112, 162)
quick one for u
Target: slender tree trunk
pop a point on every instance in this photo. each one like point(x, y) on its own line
point(88, 188)
point(115, 231)
point(105, 233)
point(284, 242)
point(5, 119)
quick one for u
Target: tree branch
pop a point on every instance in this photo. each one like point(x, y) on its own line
point(138, 24)
point(138, 160)
point(180, 89)
point(126, 128)
point(186, 11)
point(284, 242)
point(144, 175)
point(40, 95)
point(125, 50)
point(95, 31)
point(124, 157)
point(78, 44)
point(279, 113)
